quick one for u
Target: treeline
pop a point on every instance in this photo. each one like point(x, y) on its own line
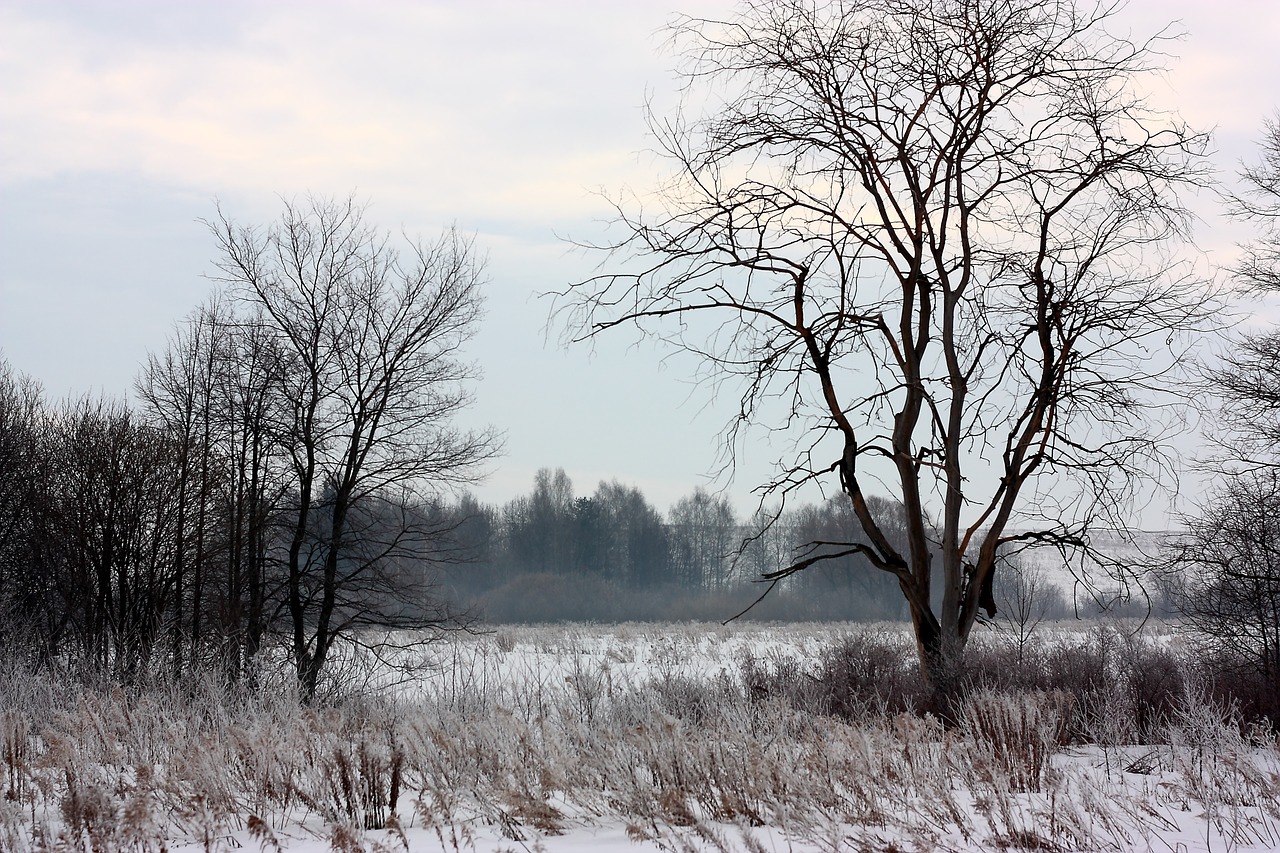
point(159, 536)
point(130, 543)
point(274, 485)
point(553, 554)
point(288, 480)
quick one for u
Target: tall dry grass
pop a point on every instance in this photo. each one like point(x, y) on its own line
point(690, 739)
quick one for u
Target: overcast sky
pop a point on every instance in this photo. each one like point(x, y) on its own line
point(122, 122)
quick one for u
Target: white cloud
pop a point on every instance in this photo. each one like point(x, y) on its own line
point(434, 105)
point(464, 109)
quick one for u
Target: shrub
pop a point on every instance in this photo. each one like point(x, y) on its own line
point(1015, 734)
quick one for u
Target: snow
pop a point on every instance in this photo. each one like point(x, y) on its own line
point(592, 738)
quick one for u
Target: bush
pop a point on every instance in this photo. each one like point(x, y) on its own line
point(855, 678)
point(1015, 734)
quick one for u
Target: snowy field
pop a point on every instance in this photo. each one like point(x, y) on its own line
point(642, 737)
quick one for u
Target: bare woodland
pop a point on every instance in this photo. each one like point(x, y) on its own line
point(274, 484)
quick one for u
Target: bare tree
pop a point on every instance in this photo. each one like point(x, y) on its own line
point(369, 380)
point(21, 414)
point(928, 238)
point(1259, 203)
point(1229, 571)
point(103, 536)
point(703, 539)
point(213, 391)
point(1247, 381)
point(176, 389)
point(1226, 571)
point(1025, 598)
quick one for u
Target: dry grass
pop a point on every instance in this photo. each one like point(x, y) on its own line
point(536, 734)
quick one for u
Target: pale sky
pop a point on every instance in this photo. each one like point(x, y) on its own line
point(122, 122)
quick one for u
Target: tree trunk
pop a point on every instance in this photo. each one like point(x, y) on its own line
point(942, 665)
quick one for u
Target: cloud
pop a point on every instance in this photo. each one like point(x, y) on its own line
point(454, 110)
point(436, 104)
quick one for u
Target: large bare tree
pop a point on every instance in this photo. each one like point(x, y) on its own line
point(369, 380)
point(930, 238)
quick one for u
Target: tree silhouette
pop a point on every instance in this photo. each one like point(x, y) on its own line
point(927, 238)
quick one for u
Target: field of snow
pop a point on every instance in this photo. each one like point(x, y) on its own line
point(632, 737)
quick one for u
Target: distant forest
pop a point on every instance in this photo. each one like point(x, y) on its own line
point(553, 554)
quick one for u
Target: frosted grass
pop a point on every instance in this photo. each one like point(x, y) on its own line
point(615, 738)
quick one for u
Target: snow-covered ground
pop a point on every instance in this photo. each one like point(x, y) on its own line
point(613, 738)
point(1133, 550)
